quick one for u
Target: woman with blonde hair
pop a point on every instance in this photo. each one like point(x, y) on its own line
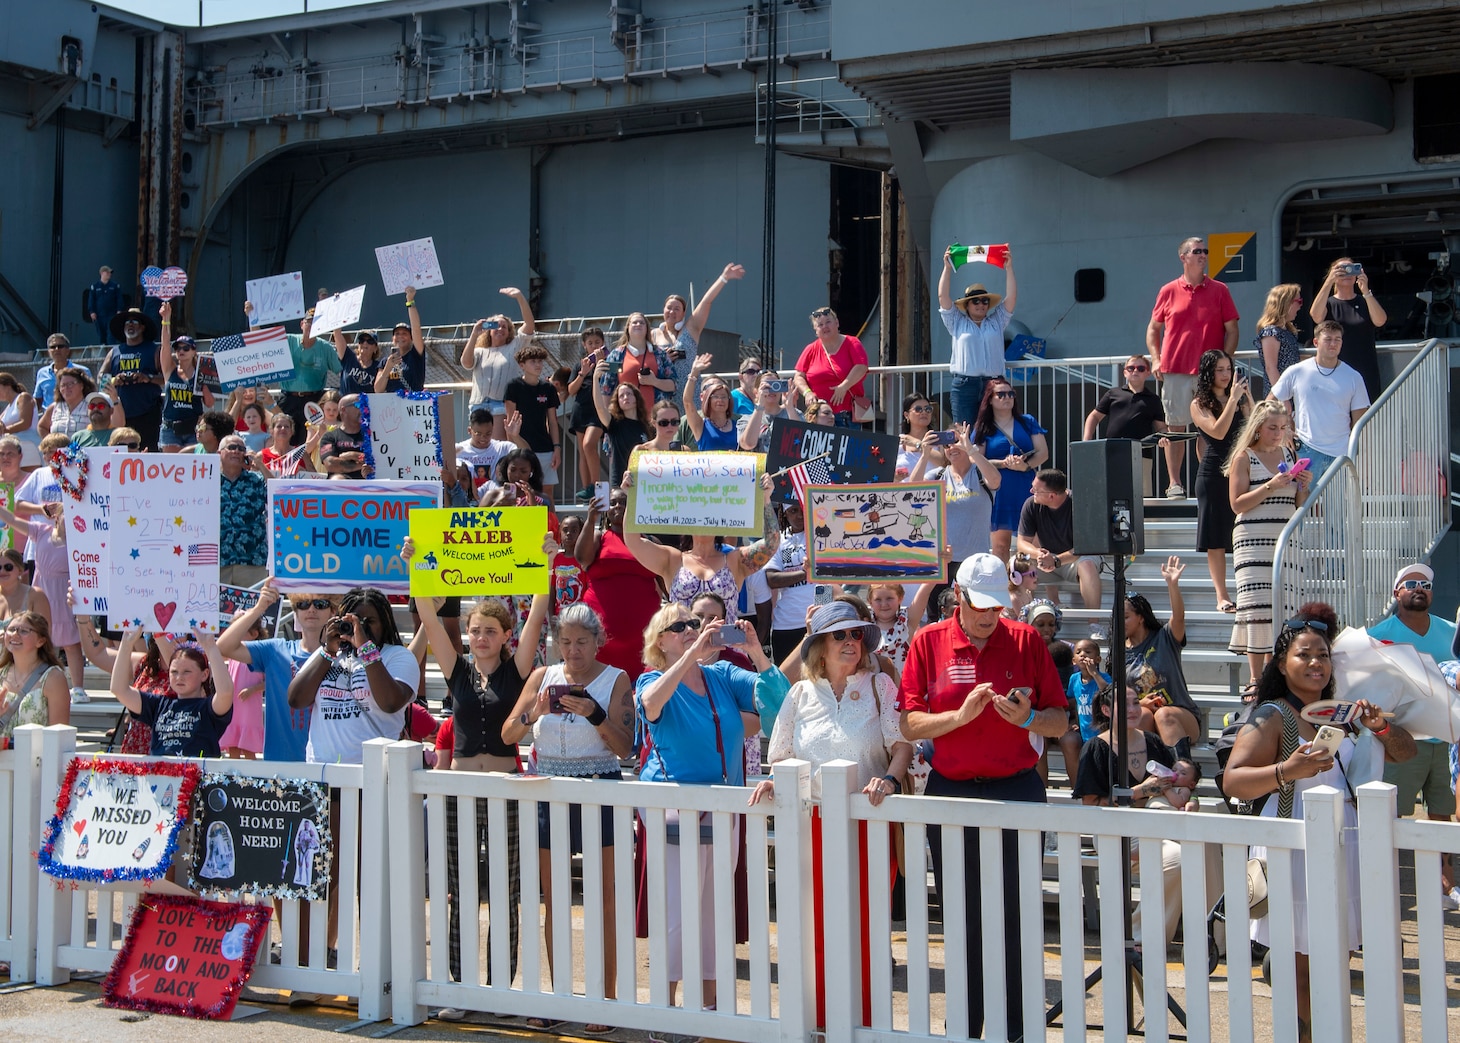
point(1277, 334)
point(1264, 494)
point(490, 356)
point(32, 683)
point(843, 707)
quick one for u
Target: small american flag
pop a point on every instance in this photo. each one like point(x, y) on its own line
point(202, 553)
point(808, 472)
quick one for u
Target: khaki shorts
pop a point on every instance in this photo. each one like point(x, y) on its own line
point(1177, 390)
point(1425, 775)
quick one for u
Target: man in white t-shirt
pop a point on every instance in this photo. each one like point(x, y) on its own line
point(481, 451)
point(1326, 398)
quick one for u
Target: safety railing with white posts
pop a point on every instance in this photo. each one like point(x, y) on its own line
point(82, 928)
point(775, 1006)
point(395, 931)
point(1382, 504)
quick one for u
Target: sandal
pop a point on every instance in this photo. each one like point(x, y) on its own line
point(598, 1030)
point(543, 1024)
point(1227, 606)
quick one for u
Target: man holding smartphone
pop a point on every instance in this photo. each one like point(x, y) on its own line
point(980, 685)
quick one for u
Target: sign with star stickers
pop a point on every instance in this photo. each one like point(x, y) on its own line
point(187, 956)
point(88, 532)
point(855, 457)
point(117, 821)
point(266, 837)
point(164, 531)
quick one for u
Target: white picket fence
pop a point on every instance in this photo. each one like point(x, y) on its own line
point(393, 937)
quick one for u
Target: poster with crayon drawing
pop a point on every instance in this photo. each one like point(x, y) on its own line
point(870, 533)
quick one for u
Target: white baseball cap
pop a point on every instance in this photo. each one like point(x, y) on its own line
point(1423, 569)
point(984, 580)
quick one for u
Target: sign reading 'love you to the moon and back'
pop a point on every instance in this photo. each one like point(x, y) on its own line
point(163, 523)
point(713, 494)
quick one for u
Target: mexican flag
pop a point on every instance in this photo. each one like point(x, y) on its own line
point(990, 253)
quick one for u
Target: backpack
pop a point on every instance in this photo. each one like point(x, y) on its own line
point(1288, 746)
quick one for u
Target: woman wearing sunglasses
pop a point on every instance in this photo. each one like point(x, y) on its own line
point(1016, 445)
point(844, 707)
point(1275, 756)
point(184, 396)
point(698, 713)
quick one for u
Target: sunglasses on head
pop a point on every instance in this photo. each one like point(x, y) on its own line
point(1306, 624)
point(681, 625)
point(1416, 584)
point(821, 313)
point(300, 606)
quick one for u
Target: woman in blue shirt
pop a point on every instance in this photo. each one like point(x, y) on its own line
point(712, 418)
point(696, 711)
point(1016, 445)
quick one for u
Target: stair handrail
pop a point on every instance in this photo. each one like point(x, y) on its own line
point(1382, 504)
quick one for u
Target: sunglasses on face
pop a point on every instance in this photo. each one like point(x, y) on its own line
point(920, 409)
point(668, 423)
point(1203, 250)
point(8, 566)
point(680, 626)
point(750, 372)
point(846, 635)
point(129, 445)
point(1137, 369)
point(18, 631)
point(979, 300)
point(300, 606)
point(1306, 624)
point(1416, 584)
point(1003, 394)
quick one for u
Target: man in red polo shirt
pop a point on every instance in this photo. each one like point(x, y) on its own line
point(959, 688)
point(1193, 314)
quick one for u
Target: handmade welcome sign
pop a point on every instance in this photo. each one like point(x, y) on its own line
point(233, 600)
point(117, 820)
point(705, 493)
point(869, 533)
point(88, 523)
point(186, 956)
point(403, 434)
point(261, 836)
point(849, 456)
point(479, 551)
point(327, 537)
point(164, 510)
point(164, 283)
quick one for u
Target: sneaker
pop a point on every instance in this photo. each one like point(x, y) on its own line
point(1450, 901)
point(583, 495)
point(1099, 632)
point(451, 1014)
point(79, 695)
point(1175, 492)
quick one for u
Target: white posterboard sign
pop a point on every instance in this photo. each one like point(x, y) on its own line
point(404, 428)
point(715, 493)
point(276, 298)
point(256, 357)
point(164, 542)
point(409, 264)
point(337, 311)
point(87, 531)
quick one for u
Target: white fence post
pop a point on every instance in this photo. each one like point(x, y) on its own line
point(1379, 880)
point(53, 903)
point(408, 895)
point(25, 833)
point(841, 909)
point(793, 899)
point(374, 882)
point(1327, 887)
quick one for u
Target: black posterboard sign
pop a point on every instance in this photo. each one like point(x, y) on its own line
point(266, 837)
point(233, 599)
point(856, 457)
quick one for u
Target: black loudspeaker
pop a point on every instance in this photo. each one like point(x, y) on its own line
point(1105, 483)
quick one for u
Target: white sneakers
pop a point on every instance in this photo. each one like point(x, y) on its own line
point(78, 696)
point(1174, 491)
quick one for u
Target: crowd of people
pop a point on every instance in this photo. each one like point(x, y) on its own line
point(682, 654)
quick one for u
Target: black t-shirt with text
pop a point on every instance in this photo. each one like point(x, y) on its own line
point(336, 441)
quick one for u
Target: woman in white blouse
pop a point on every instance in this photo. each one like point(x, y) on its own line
point(844, 707)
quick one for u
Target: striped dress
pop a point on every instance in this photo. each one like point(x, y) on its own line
point(1254, 540)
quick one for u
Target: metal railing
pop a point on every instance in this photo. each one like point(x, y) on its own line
point(1384, 503)
point(815, 106)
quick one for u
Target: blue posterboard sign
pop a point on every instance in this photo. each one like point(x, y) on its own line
point(327, 537)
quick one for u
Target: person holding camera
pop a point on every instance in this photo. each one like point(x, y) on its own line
point(1345, 298)
point(490, 355)
point(772, 402)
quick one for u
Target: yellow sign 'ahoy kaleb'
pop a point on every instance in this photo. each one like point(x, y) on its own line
point(479, 551)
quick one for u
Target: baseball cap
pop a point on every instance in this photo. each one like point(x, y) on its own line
point(97, 396)
point(984, 581)
point(1423, 569)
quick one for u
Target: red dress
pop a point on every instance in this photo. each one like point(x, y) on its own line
point(625, 596)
